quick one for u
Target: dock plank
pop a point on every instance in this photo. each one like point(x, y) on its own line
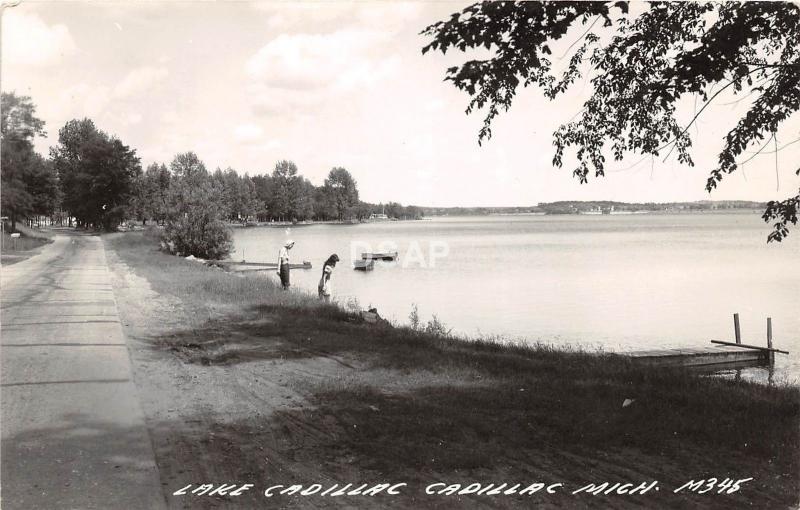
point(699, 356)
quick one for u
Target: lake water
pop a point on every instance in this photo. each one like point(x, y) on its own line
point(614, 282)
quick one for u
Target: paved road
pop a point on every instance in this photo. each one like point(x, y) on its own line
point(73, 432)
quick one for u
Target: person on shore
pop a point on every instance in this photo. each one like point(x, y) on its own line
point(283, 264)
point(324, 287)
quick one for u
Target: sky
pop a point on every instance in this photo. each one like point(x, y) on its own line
point(326, 84)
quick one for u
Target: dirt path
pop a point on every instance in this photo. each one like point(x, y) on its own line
point(73, 432)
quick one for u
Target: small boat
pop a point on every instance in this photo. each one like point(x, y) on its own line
point(364, 265)
point(389, 255)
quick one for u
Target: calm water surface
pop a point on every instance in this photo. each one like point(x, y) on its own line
point(614, 282)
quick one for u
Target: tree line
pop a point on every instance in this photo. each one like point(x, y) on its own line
point(95, 180)
point(29, 184)
point(282, 195)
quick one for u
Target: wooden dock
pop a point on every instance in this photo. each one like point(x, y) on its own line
point(722, 353)
point(240, 266)
point(701, 356)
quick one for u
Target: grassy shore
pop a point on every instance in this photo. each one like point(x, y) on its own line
point(384, 403)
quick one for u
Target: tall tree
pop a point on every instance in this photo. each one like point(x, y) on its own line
point(139, 206)
point(302, 199)
point(158, 179)
point(187, 165)
point(238, 194)
point(97, 173)
point(283, 178)
point(343, 191)
point(263, 194)
point(324, 206)
point(42, 184)
point(29, 183)
point(196, 206)
point(193, 189)
point(226, 195)
point(652, 60)
point(250, 205)
point(151, 194)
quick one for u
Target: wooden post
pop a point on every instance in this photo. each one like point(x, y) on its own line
point(736, 329)
point(769, 332)
point(769, 340)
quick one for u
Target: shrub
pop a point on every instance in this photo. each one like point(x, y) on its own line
point(436, 327)
point(197, 235)
point(413, 318)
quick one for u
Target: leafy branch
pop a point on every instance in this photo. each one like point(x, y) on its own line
point(652, 60)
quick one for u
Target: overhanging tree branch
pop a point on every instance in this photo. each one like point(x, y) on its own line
point(652, 60)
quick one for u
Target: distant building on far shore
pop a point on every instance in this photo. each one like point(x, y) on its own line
point(381, 216)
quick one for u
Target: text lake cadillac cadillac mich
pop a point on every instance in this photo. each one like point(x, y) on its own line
point(701, 486)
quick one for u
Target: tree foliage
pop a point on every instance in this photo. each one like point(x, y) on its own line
point(195, 209)
point(284, 178)
point(29, 183)
point(653, 59)
point(152, 194)
point(239, 195)
point(342, 191)
point(302, 199)
point(97, 173)
point(283, 195)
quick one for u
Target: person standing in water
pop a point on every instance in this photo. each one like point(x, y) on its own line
point(324, 287)
point(283, 264)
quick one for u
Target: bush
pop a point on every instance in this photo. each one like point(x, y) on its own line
point(436, 327)
point(196, 235)
point(413, 318)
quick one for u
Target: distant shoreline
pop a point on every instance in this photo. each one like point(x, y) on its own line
point(631, 213)
point(277, 224)
point(597, 207)
point(281, 224)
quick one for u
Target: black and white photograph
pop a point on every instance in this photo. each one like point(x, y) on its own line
point(329, 254)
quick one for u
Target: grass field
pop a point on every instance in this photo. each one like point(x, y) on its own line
point(407, 405)
point(14, 250)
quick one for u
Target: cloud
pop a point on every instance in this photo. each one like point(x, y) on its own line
point(139, 80)
point(325, 52)
point(170, 117)
point(300, 73)
point(368, 73)
point(27, 40)
point(246, 133)
point(308, 61)
point(133, 118)
point(434, 105)
point(271, 145)
point(390, 16)
point(288, 16)
point(265, 100)
point(332, 16)
point(83, 100)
